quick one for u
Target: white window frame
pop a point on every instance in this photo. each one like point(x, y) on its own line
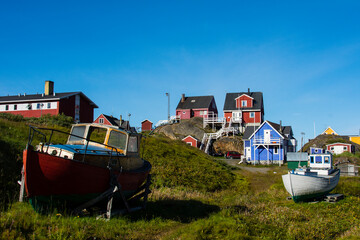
point(252, 115)
point(101, 120)
point(243, 103)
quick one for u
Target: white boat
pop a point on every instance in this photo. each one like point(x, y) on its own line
point(310, 183)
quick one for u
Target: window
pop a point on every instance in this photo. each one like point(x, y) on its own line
point(243, 103)
point(132, 146)
point(78, 131)
point(97, 134)
point(312, 159)
point(38, 106)
point(48, 105)
point(15, 107)
point(7, 107)
point(29, 106)
point(101, 120)
point(318, 159)
point(276, 150)
point(118, 140)
point(252, 115)
point(326, 159)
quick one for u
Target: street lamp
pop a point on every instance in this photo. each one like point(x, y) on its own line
point(168, 95)
point(302, 140)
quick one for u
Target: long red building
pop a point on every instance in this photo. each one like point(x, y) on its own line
point(73, 104)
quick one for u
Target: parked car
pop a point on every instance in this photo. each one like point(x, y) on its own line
point(232, 154)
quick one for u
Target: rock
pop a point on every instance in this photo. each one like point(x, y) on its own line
point(231, 143)
point(182, 129)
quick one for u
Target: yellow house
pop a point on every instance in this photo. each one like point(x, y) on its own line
point(329, 131)
point(355, 139)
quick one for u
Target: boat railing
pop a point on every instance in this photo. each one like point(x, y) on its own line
point(113, 151)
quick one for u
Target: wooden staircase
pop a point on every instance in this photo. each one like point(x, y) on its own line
point(208, 137)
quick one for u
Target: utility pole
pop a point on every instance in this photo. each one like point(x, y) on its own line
point(168, 95)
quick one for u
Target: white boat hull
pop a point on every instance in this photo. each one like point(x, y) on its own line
point(307, 187)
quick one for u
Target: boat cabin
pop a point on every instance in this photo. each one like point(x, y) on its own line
point(320, 160)
point(99, 145)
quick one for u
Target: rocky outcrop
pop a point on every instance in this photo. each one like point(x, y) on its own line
point(231, 143)
point(194, 128)
point(182, 129)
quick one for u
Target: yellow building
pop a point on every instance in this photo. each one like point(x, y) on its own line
point(329, 131)
point(355, 139)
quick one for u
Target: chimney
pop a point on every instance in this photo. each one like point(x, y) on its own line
point(120, 120)
point(248, 91)
point(49, 87)
point(280, 127)
point(183, 97)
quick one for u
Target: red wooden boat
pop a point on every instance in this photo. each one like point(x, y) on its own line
point(95, 158)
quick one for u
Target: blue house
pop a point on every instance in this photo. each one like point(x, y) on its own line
point(268, 143)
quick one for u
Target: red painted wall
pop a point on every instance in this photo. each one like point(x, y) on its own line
point(193, 142)
point(34, 113)
point(184, 114)
point(246, 117)
point(106, 122)
point(86, 111)
point(340, 144)
point(245, 98)
point(146, 126)
point(67, 106)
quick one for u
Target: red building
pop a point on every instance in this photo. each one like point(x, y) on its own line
point(191, 141)
point(338, 148)
point(146, 125)
point(113, 121)
point(190, 107)
point(244, 109)
point(73, 104)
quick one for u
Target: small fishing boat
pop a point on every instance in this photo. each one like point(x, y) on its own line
point(313, 182)
point(96, 161)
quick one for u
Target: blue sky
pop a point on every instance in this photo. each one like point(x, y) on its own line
point(125, 55)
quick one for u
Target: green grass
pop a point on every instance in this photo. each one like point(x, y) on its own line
point(193, 197)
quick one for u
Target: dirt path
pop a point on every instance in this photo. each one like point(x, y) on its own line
point(234, 162)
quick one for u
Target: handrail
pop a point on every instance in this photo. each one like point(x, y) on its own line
point(34, 129)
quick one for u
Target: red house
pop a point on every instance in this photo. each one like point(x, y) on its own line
point(73, 104)
point(338, 148)
point(191, 141)
point(113, 121)
point(244, 109)
point(146, 125)
point(190, 107)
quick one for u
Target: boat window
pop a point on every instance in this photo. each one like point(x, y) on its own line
point(132, 147)
point(318, 159)
point(117, 139)
point(311, 159)
point(78, 131)
point(326, 159)
point(97, 134)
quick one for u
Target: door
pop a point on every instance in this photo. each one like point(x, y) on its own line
point(248, 153)
point(267, 136)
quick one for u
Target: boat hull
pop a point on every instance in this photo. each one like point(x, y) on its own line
point(54, 179)
point(307, 188)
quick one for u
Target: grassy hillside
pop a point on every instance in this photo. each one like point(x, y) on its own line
point(176, 164)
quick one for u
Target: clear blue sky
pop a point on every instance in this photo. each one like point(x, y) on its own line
point(125, 55)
